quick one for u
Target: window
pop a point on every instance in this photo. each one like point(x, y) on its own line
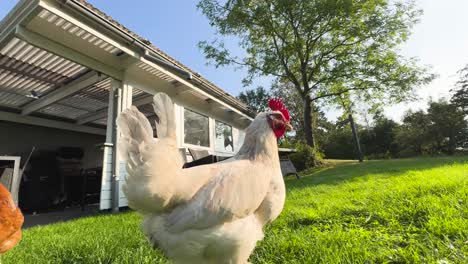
point(196, 129)
point(223, 141)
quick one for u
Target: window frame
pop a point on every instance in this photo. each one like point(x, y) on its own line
point(182, 134)
point(180, 125)
point(232, 137)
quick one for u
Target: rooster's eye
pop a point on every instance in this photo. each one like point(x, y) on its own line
point(277, 116)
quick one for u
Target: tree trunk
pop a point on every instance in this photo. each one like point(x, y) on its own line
point(308, 122)
point(451, 145)
point(356, 138)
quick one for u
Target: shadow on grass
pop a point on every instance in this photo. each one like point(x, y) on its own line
point(342, 172)
point(66, 215)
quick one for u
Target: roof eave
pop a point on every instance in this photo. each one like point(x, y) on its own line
point(146, 47)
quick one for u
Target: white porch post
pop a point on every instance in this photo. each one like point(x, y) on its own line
point(116, 86)
point(122, 100)
point(108, 162)
point(125, 102)
point(120, 97)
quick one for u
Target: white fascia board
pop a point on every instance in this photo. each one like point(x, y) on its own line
point(54, 7)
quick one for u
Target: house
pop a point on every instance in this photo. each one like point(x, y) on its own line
point(67, 70)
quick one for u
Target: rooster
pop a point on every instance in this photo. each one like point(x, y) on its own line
point(11, 220)
point(213, 213)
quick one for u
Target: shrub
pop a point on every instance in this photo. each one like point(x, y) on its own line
point(305, 157)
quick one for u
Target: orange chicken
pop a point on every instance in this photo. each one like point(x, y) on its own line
point(11, 220)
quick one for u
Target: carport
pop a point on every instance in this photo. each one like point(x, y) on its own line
point(66, 66)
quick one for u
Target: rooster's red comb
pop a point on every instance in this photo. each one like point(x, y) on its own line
point(277, 104)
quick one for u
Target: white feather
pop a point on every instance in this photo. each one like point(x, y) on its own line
point(164, 109)
point(207, 214)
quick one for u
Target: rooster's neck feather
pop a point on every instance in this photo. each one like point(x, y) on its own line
point(259, 142)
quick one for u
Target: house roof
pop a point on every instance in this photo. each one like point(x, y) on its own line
point(58, 59)
point(202, 81)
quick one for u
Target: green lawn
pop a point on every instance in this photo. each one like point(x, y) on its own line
point(396, 211)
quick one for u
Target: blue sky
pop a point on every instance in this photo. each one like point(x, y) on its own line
point(176, 26)
point(439, 40)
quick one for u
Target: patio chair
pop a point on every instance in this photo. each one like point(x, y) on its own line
point(287, 167)
point(198, 154)
point(200, 157)
point(11, 177)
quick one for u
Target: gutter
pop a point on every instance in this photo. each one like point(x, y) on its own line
point(187, 75)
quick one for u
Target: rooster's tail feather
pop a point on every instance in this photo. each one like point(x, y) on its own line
point(164, 109)
point(136, 133)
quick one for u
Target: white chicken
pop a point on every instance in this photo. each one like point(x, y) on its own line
point(206, 214)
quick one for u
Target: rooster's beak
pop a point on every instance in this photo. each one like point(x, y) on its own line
point(288, 126)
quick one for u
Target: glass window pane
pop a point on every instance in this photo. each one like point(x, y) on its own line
point(196, 129)
point(224, 140)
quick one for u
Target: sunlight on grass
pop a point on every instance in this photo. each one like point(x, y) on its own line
point(395, 211)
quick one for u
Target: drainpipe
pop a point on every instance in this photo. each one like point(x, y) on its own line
point(115, 161)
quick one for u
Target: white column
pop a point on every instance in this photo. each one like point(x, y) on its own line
point(116, 86)
point(120, 98)
point(125, 102)
point(108, 161)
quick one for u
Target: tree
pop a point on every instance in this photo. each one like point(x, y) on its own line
point(324, 48)
point(293, 101)
point(294, 104)
point(256, 99)
point(442, 129)
point(413, 136)
point(460, 96)
point(339, 143)
point(379, 140)
point(347, 106)
point(448, 126)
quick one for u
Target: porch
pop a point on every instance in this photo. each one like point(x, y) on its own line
point(67, 70)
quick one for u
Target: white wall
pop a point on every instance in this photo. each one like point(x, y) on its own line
point(237, 133)
point(106, 193)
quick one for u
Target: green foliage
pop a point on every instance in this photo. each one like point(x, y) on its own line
point(442, 130)
point(449, 127)
point(396, 211)
point(306, 157)
point(414, 135)
point(379, 141)
point(256, 99)
point(295, 105)
point(339, 143)
point(460, 96)
point(323, 48)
